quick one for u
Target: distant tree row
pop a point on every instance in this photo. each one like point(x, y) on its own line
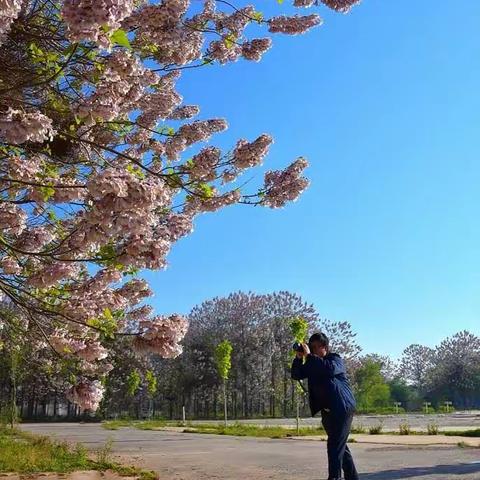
point(259, 329)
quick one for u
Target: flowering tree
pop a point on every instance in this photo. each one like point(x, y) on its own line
point(259, 327)
point(94, 182)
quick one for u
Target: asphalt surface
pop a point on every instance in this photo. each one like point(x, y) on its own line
point(182, 456)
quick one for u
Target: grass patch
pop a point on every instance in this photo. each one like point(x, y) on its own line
point(22, 452)
point(140, 424)
point(241, 430)
point(116, 424)
point(237, 429)
point(463, 433)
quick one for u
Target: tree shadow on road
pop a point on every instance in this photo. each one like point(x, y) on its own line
point(457, 469)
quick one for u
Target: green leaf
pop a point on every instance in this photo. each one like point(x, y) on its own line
point(135, 171)
point(119, 37)
point(47, 193)
point(52, 216)
point(206, 190)
point(230, 40)
point(257, 16)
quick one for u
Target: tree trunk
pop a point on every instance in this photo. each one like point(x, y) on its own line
point(273, 388)
point(225, 400)
point(13, 392)
point(298, 414)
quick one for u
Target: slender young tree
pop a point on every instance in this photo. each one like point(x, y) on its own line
point(223, 362)
point(298, 329)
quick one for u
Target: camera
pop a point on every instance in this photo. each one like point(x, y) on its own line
point(297, 347)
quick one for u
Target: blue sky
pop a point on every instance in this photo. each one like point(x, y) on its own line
point(384, 104)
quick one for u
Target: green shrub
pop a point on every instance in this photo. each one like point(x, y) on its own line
point(360, 428)
point(404, 428)
point(376, 429)
point(432, 428)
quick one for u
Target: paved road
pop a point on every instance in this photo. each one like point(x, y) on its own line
point(181, 456)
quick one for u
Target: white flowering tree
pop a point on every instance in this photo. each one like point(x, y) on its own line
point(94, 183)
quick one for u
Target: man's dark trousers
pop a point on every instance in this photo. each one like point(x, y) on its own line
point(337, 426)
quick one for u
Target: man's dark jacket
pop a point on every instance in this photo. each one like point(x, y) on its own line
point(328, 386)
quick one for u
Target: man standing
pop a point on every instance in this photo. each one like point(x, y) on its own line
point(329, 393)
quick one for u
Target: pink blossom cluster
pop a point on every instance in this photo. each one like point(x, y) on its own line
point(174, 226)
point(199, 203)
point(343, 6)
point(94, 369)
point(13, 219)
point(124, 209)
point(71, 190)
point(184, 112)
point(235, 22)
point(221, 51)
point(135, 291)
point(88, 349)
point(24, 168)
point(255, 49)
point(303, 3)
point(35, 238)
point(10, 266)
point(163, 25)
point(52, 273)
point(87, 394)
point(285, 185)
point(294, 25)
point(155, 106)
point(93, 296)
point(203, 165)
point(140, 313)
point(248, 154)
point(161, 335)
point(120, 88)
point(9, 10)
point(87, 19)
point(17, 127)
point(191, 133)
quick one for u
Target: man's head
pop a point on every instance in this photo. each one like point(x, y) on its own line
point(318, 344)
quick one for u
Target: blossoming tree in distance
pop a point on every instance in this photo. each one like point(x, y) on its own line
point(95, 184)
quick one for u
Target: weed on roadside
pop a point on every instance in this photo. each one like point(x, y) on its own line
point(404, 428)
point(432, 428)
point(376, 429)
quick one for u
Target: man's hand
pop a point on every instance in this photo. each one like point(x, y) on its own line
point(304, 352)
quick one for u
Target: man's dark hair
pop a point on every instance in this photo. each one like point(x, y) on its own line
point(320, 338)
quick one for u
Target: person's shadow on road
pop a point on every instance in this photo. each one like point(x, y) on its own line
point(457, 469)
